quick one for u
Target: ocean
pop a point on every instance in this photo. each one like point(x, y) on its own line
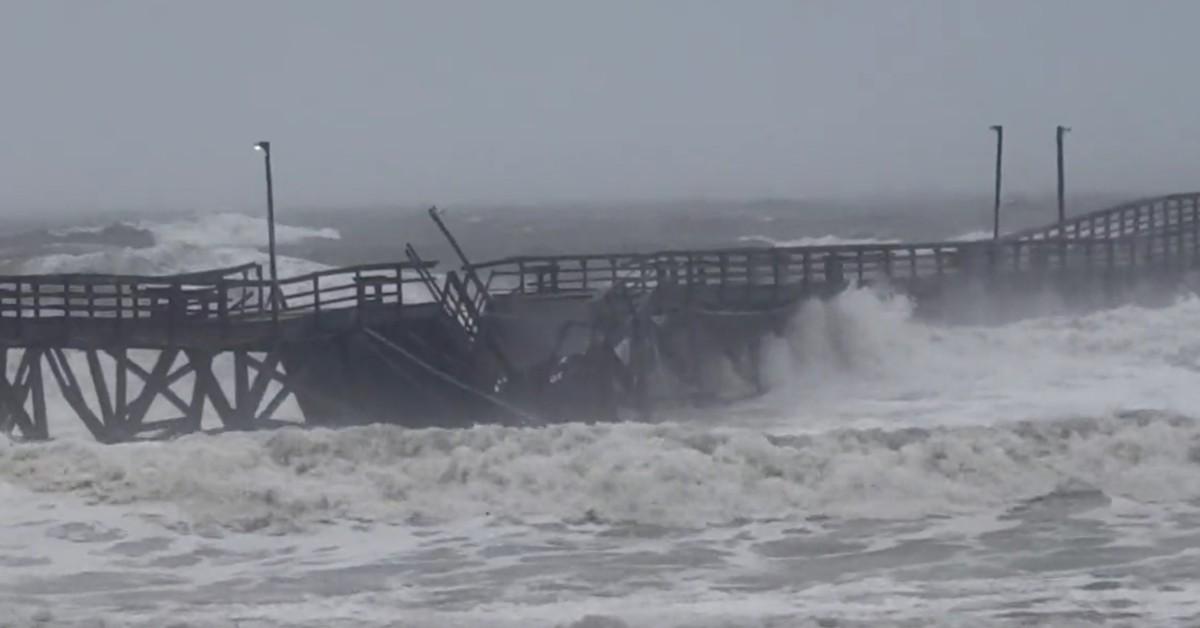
point(1042, 472)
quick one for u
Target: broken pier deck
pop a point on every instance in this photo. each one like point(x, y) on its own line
point(513, 340)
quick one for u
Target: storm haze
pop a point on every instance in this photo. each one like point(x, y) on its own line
point(155, 105)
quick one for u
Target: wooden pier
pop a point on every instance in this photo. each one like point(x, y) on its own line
point(519, 340)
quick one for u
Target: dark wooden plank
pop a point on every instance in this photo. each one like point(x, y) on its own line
point(100, 383)
point(12, 396)
point(68, 385)
point(121, 409)
point(211, 388)
point(37, 391)
point(154, 383)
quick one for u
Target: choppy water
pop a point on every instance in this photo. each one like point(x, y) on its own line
point(1038, 473)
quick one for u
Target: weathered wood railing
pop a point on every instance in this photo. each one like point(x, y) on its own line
point(1163, 230)
point(1170, 241)
point(225, 296)
point(85, 295)
point(355, 286)
point(1139, 217)
point(461, 305)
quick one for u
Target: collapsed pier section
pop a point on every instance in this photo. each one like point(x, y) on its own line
point(521, 340)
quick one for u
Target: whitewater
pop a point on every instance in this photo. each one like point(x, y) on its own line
point(898, 473)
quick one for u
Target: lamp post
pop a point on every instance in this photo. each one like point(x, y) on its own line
point(265, 149)
point(1062, 190)
point(999, 129)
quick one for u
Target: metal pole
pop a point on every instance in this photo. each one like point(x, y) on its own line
point(468, 268)
point(1062, 190)
point(999, 129)
point(265, 147)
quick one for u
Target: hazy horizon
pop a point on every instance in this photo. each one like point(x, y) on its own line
point(140, 106)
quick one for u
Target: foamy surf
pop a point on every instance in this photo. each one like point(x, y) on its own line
point(825, 240)
point(199, 242)
point(896, 473)
point(671, 475)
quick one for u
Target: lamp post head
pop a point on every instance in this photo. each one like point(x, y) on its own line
point(264, 147)
point(997, 127)
point(1063, 129)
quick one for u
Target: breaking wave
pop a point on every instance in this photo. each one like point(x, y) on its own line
point(229, 229)
point(874, 414)
point(672, 474)
point(825, 240)
point(973, 236)
point(863, 357)
point(195, 243)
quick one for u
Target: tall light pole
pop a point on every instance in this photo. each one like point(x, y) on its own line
point(999, 129)
point(265, 149)
point(1062, 189)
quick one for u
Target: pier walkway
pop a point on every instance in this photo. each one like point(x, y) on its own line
point(450, 348)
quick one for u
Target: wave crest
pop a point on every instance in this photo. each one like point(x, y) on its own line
point(664, 475)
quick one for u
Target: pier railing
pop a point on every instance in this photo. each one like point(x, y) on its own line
point(225, 295)
point(1136, 218)
point(355, 286)
point(1160, 231)
point(86, 295)
point(1172, 236)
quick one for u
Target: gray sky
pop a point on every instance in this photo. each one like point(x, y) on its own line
point(156, 104)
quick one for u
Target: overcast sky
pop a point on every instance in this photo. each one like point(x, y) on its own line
point(156, 104)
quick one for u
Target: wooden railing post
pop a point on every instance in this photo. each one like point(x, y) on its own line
point(223, 305)
point(400, 287)
point(172, 308)
point(1195, 228)
point(120, 306)
point(65, 288)
point(806, 270)
point(1177, 231)
point(20, 304)
point(834, 272)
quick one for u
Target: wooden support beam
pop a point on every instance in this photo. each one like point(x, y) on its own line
point(272, 406)
point(266, 372)
point(176, 425)
point(210, 388)
point(241, 387)
point(12, 399)
point(121, 408)
point(100, 383)
point(155, 382)
point(37, 390)
point(272, 372)
point(195, 411)
point(64, 375)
